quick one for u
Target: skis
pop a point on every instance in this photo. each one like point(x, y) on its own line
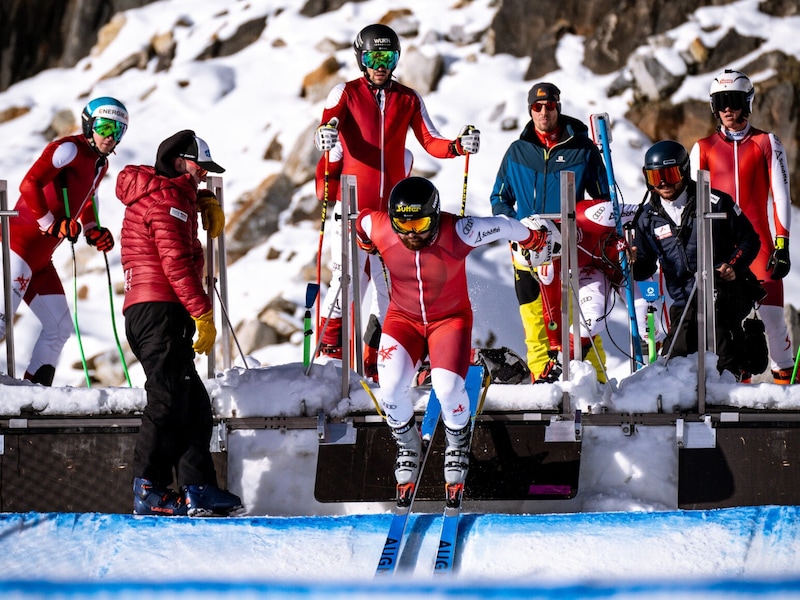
point(391, 548)
point(405, 496)
point(448, 539)
point(602, 137)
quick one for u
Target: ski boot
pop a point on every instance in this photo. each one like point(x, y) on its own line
point(782, 376)
point(210, 501)
point(552, 370)
point(456, 463)
point(331, 345)
point(406, 466)
point(151, 499)
point(371, 363)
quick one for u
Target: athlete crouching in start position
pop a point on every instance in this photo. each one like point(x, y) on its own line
point(429, 313)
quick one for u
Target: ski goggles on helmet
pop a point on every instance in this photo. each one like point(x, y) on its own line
point(669, 175)
point(375, 59)
point(733, 100)
point(539, 106)
point(406, 226)
point(108, 128)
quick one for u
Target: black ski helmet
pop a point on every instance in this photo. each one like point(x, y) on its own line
point(664, 154)
point(375, 37)
point(414, 198)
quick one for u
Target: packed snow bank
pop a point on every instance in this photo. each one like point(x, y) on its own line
point(530, 550)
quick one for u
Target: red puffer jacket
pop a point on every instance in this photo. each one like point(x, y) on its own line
point(161, 254)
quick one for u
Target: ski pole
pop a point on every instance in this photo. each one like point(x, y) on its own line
point(75, 295)
point(111, 305)
point(324, 327)
point(333, 123)
point(600, 127)
point(312, 291)
point(464, 191)
point(230, 325)
point(681, 320)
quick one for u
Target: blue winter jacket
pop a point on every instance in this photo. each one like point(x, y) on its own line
point(529, 179)
point(674, 245)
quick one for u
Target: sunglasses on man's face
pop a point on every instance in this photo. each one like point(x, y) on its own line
point(549, 105)
point(109, 128)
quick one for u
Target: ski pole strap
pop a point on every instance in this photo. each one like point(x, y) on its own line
point(372, 397)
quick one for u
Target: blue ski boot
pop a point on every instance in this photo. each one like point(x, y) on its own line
point(210, 501)
point(151, 499)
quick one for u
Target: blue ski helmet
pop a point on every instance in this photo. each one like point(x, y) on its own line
point(107, 108)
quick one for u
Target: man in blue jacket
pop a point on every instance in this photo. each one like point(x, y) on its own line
point(666, 232)
point(529, 182)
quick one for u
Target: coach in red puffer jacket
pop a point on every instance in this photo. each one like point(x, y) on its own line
point(161, 254)
point(164, 304)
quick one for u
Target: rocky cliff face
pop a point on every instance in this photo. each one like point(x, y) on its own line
point(41, 34)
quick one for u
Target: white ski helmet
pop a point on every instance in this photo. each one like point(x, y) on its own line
point(734, 89)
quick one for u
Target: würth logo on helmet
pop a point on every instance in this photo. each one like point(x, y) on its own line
point(381, 41)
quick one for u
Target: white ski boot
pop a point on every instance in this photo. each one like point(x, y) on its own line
point(409, 451)
point(456, 456)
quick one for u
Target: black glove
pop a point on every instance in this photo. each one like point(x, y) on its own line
point(64, 228)
point(779, 263)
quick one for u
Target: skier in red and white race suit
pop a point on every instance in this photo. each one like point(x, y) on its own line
point(430, 313)
point(599, 253)
point(750, 165)
point(57, 195)
point(363, 133)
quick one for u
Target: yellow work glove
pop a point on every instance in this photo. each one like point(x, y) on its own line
point(210, 212)
point(206, 333)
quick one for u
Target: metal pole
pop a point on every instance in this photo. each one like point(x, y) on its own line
point(348, 183)
point(9, 305)
point(706, 315)
point(569, 268)
point(214, 183)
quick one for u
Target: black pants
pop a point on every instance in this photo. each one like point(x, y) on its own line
point(177, 420)
point(728, 332)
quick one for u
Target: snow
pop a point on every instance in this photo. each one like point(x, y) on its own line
point(622, 536)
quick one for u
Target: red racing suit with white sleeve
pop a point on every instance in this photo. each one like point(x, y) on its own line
point(68, 170)
point(373, 124)
point(749, 169)
point(749, 166)
point(430, 310)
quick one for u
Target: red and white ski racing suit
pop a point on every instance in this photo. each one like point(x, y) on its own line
point(373, 125)
point(430, 311)
point(750, 169)
point(67, 173)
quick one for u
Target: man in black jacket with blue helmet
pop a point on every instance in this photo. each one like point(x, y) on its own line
point(666, 232)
